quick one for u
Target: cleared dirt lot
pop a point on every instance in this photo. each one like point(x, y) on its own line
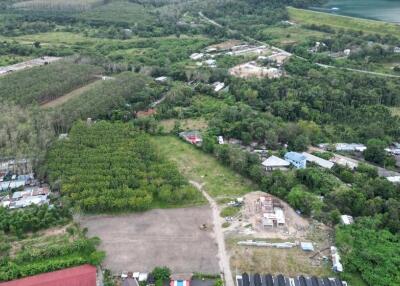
point(170, 237)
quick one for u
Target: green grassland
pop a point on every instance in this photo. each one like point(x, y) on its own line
point(342, 22)
point(6, 60)
point(194, 164)
point(280, 36)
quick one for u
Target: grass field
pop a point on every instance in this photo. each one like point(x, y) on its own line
point(77, 92)
point(290, 35)
point(367, 26)
point(57, 38)
point(186, 124)
point(220, 181)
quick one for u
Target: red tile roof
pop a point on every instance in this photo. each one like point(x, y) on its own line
point(84, 275)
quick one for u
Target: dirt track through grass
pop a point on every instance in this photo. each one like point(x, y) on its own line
point(76, 92)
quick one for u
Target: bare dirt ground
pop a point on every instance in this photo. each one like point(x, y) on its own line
point(170, 237)
point(62, 99)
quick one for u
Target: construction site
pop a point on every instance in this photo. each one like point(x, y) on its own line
point(269, 236)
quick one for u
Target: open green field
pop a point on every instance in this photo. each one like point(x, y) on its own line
point(290, 35)
point(302, 16)
point(194, 164)
point(186, 124)
point(57, 38)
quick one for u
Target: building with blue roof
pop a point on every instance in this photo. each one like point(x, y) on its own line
point(296, 159)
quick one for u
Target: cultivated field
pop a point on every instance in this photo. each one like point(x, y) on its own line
point(61, 5)
point(142, 241)
point(120, 12)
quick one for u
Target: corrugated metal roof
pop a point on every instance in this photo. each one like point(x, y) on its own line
point(274, 161)
point(295, 156)
point(84, 275)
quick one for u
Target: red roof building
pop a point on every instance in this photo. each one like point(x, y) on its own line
point(84, 275)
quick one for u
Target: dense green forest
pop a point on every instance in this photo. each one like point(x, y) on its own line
point(110, 167)
point(371, 251)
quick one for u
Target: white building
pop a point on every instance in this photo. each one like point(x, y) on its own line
point(346, 219)
point(394, 179)
point(350, 147)
point(220, 140)
point(276, 218)
point(196, 56)
point(337, 265)
point(319, 161)
point(275, 163)
point(211, 63)
point(218, 86)
point(161, 79)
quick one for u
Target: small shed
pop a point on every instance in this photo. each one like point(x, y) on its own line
point(307, 246)
point(346, 219)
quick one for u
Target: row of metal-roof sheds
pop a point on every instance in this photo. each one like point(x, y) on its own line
point(281, 280)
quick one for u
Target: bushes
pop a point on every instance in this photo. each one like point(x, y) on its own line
point(372, 252)
point(110, 167)
point(33, 219)
point(161, 273)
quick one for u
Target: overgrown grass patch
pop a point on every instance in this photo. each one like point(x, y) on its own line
point(219, 181)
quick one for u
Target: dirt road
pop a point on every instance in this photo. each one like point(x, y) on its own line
point(75, 93)
point(223, 257)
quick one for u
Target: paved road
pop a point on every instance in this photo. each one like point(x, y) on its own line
point(212, 22)
point(223, 256)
